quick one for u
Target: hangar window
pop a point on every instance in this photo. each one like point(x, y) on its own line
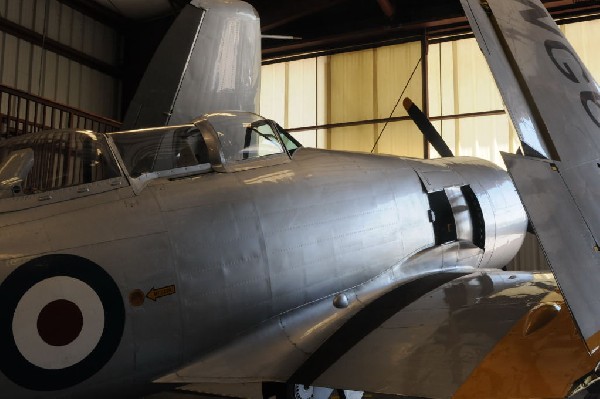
point(52, 160)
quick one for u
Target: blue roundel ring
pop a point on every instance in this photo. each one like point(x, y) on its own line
point(55, 318)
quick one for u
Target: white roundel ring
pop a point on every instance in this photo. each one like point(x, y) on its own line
point(62, 320)
point(68, 317)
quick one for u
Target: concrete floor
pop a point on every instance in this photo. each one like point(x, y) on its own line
point(177, 394)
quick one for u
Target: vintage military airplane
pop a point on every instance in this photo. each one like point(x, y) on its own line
point(223, 257)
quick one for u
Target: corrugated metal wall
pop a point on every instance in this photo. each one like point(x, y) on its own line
point(356, 87)
point(41, 72)
point(530, 256)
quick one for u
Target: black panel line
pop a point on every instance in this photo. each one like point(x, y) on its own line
point(365, 322)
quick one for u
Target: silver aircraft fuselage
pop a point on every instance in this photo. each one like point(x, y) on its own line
point(198, 259)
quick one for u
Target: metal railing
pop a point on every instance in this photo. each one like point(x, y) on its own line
point(22, 113)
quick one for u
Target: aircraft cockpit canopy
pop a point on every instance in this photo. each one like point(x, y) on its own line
point(57, 159)
point(54, 159)
point(162, 150)
point(225, 141)
point(244, 136)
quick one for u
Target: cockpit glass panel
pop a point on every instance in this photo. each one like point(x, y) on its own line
point(51, 160)
point(161, 149)
point(290, 143)
point(244, 136)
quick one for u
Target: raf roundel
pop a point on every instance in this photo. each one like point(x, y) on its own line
point(61, 321)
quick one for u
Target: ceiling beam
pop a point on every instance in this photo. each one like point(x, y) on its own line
point(276, 14)
point(366, 36)
point(457, 25)
point(97, 12)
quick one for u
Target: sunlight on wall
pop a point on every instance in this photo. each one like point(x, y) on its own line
point(357, 87)
point(294, 95)
point(460, 82)
point(584, 39)
point(363, 87)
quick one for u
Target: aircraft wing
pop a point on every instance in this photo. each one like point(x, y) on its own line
point(555, 105)
point(454, 340)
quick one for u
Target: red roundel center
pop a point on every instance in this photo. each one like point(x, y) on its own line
point(60, 322)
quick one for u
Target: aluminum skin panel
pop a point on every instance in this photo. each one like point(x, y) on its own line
point(280, 252)
point(331, 208)
point(564, 236)
point(448, 343)
point(499, 203)
point(224, 69)
point(278, 347)
point(430, 347)
point(264, 250)
point(126, 236)
point(460, 210)
point(439, 178)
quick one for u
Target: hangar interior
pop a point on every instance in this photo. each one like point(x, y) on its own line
point(334, 81)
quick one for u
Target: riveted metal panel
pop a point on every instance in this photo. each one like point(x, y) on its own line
point(429, 347)
point(564, 236)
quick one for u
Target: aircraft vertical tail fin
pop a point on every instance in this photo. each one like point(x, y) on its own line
point(208, 61)
point(555, 105)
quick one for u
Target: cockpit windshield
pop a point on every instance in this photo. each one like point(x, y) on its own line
point(243, 135)
point(234, 141)
point(290, 143)
point(171, 148)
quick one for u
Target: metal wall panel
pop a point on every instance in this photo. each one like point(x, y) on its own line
point(53, 18)
point(28, 12)
point(49, 64)
point(13, 10)
point(530, 257)
point(2, 51)
point(65, 18)
point(85, 85)
point(74, 95)
point(23, 65)
point(39, 11)
point(40, 72)
point(62, 79)
point(36, 68)
point(77, 27)
point(9, 60)
point(3, 104)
